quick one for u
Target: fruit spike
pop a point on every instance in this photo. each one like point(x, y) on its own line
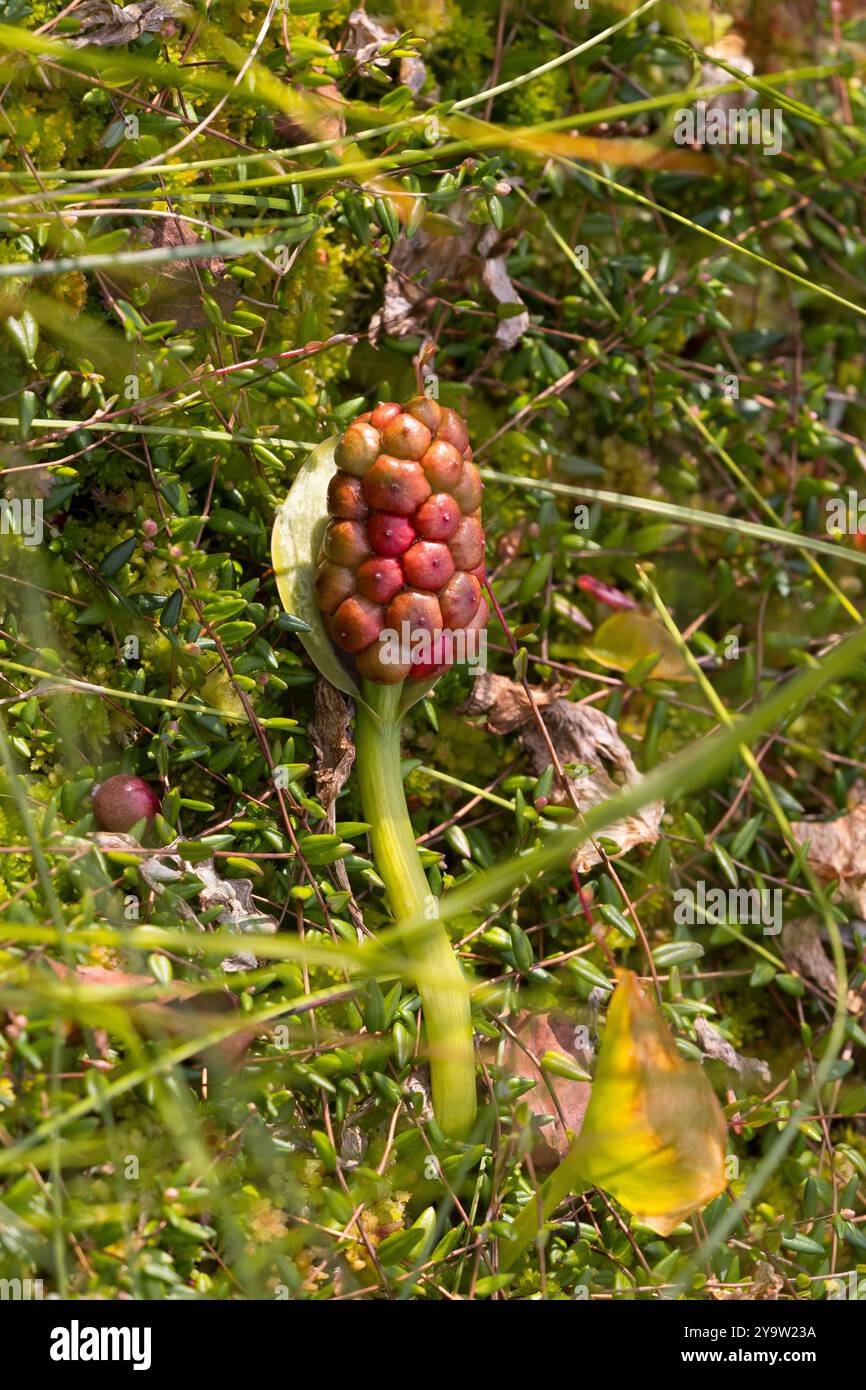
point(403, 553)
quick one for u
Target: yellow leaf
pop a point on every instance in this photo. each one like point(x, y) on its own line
point(654, 1134)
point(628, 637)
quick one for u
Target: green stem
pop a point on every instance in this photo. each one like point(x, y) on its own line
point(437, 972)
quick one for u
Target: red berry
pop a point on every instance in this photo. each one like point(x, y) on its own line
point(452, 428)
point(459, 599)
point(428, 565)
point(356, 624)
point(376, 663)
point(346, 543)
point(443, 465)
point(357, 449)
point(379, 579)
point(396, 485)
point(122, 800)
point(425, 409)
point(405, 437)
point(385, 411)
point(438, 518)
point(332, 584)
point(346, 498)
point(389, 534)
point(467, 544)
point(467, 492)
point(420, 611)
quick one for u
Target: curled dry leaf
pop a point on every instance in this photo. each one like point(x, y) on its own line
point(580, 734)
point(837, 848)
point(235, 896)
point(804, 953)
point(107, 26)
point(750, 1070)
point(368, 36)
point(175, 286)
point(457, 253)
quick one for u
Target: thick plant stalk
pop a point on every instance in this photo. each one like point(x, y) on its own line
point(438, 976)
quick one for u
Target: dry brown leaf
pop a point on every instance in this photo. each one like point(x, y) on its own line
point(837, 847)
point(235, 896)
point(367, 36)
point(553, 1095)
point(320, 116)
point(805, 955)
point(175, 286)
point(750, 1070)
point(580, 734)
point(470, 253)
point(106, 26)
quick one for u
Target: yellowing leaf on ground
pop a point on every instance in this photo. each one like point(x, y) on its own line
point(654, 1134)
point(629, 637)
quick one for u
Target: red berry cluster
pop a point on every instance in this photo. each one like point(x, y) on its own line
point(405, 543)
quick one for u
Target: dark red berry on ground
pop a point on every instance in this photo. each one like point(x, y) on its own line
point(121, 801)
